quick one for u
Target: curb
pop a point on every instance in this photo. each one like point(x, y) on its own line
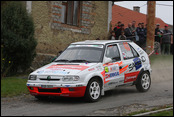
point(147, 113)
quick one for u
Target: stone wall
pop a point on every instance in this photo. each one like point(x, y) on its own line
point(53, 36)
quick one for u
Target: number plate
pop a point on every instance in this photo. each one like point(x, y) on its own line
point(47, 86)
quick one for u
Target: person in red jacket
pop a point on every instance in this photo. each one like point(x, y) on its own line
point(117, 27)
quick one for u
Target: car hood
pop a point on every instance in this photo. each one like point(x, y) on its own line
point(63, 68)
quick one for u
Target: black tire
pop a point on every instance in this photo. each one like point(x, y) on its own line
point(88, 95)
point(41, 97)
point(143, 85)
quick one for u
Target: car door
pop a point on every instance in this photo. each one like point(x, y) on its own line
point(112, 77)
point(131, 63)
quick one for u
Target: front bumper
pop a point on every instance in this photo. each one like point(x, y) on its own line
point(66, 90)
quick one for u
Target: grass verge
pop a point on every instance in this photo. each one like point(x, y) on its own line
point(163, 113)
point(12, 86)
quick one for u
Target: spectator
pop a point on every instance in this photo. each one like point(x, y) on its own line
point(117, 27)
point(112, 37)
point(145, 30)
point(157, 33)
point(118, 32)
point(166, 40)
point(128, 32)
point(122, 36)
point(142, 24)
point(98, 39)
point(133, 26)
point(134, 33)
point(141, 33)
point(157, 38)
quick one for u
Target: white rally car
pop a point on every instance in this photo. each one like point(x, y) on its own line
point(89, 68)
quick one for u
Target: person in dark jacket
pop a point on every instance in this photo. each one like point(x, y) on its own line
point(122, 36)
point(157, 33)
point(141, 33)
point(118, 32)
point(166, 40)
point(117, 27)
point(128, 32)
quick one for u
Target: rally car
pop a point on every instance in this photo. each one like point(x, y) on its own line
point(89, 68)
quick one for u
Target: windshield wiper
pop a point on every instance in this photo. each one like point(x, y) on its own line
point(78, 60)
point(62, 60)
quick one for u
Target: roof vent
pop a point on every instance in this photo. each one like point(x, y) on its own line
point(136, 8)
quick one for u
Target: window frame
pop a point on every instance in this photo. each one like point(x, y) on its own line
point(130, 50)
point(72, 11)
point(133, 52)
point(115, 44)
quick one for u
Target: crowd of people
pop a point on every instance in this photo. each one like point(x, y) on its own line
point(138, 35)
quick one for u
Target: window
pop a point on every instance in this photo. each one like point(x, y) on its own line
point(71, 11)
point(113, 53)
point(126, 50)
point(134, 52)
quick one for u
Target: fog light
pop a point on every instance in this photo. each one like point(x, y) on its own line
point(71, 89)
point(31, 88)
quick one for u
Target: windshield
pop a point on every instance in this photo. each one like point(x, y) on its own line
point(81, 53)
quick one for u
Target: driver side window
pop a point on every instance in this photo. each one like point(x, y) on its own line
point(113, 53)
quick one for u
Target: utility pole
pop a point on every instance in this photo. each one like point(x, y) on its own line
point(150, 19)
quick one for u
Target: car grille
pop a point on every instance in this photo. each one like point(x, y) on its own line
point(49, 79)
point(50, 90)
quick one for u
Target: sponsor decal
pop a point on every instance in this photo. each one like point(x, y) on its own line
point(126, 46)
point(56, 72)
point(97, 46)
point(28, 84)
point(110, 75)
point(129, 77)
point(74, 67)
point(140, 51)
point(137, 62)
point(67, 85)
point(143, 59)
point(80, 85)
point(123, 69)
point(103, 74)
point(112, 68)
point(64, 94)
point(99, 67)
point(106, 69)
point(131, 66)
point(92, 69)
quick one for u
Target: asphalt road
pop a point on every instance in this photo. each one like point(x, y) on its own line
point(160, 93)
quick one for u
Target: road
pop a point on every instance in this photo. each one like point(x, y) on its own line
point(160, 93)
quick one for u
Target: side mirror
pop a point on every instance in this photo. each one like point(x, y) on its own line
point(59, 53)
point(107, 60)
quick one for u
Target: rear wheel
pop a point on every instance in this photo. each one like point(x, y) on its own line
point(144, 82)
point(93, 91)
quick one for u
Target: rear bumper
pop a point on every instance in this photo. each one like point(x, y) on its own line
point(58, 91)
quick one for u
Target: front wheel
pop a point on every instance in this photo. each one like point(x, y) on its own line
point(93, 91)
point(144, 82)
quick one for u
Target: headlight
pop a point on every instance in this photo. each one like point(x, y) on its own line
point(70, 78)
point(32, 77)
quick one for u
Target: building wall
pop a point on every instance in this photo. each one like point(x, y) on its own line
point(53, 36)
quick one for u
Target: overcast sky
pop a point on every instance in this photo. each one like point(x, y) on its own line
point(163, 12)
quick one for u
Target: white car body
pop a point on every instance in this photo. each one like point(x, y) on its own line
point(111, 74)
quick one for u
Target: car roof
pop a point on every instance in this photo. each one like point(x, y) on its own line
point(103, 42)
